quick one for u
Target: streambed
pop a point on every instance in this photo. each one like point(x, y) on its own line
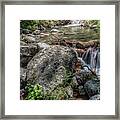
point(73, 49)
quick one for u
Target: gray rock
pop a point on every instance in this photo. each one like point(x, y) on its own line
point(42, 45)
point(26, 53)
point(31, 35)
point(54, 30)
point(92, 87)
point(82, 62)
point(28, 39)
point(25, 31)
point(95, 97)
point(83, 76)
point(36, 32)
point(49, 65)
point(43, 35)
point(38, 38)
point(22, 43)
point(22, 78)
point(41, 28)
point(81, 90)
point(69, 91)
point(22, 74)
point(74, 82)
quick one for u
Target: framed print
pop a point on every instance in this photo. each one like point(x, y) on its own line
point(59, 59)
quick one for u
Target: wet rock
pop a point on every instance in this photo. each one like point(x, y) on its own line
point(83, 45)
point(95, 97)
point(26, 53)
point(79, 45)
point(92, 87)
point(48, 67)
point(80, 52)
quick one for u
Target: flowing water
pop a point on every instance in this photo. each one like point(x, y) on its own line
point(92, 55)
point(92, 59)
point(76, 32)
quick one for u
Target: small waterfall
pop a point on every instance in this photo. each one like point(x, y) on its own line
point(92, 59)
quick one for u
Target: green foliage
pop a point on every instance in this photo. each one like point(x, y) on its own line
point(34, 24)
point(58, 94)
point(92, 24)
point(68, 78)
point(34, 92)
point(28, 24)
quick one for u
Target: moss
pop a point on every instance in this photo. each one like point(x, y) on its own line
point(36, 92)
point(58, 94)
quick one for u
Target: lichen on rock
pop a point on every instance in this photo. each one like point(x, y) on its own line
point(48, 66)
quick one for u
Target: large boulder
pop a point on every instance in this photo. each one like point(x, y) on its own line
point(48, 67)
point(95, 97)
point(28, 38)
point(83, 76)
point(27, 51)
point(42, 45)
point(23, 83)
point(25, 31)
point(22, 78)
point(92, 87)
point(81, 90)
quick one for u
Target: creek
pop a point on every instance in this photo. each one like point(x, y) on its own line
point(76, 32)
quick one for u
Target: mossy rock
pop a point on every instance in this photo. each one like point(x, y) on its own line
point(58, 94)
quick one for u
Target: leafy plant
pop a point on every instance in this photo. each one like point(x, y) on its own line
point(28, 24)
point(34, 92)
point(68, 78)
